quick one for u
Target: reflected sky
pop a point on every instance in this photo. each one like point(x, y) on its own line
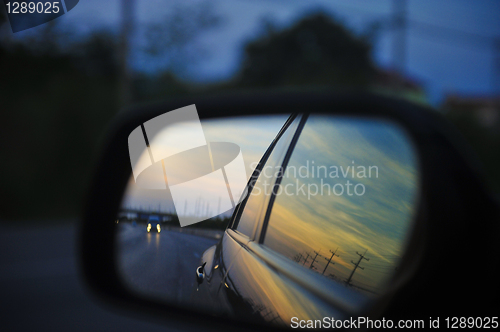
point(253, 135)
point(343, 208)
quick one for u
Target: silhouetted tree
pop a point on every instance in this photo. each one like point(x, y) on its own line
point(315, 51)
point(97, 54)
point(3, 16)
point(175, 38)
point(55, 105)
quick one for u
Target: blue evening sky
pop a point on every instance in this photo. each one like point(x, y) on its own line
point(442, 60)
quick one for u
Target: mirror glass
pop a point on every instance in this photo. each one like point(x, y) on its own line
point(319, 232)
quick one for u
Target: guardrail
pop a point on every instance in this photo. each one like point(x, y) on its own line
point(209, 233)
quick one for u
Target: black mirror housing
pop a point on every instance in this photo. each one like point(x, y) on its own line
point(457, 216)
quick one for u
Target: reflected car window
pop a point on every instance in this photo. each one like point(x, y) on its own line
point(346, 201)
point(254, 207)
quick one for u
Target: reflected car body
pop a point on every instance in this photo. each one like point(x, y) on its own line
point(250, 274)
point(249, 282)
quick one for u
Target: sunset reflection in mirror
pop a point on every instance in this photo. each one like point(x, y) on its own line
point(346, 201)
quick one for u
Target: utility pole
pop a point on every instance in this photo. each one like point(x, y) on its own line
point(305, 260)
point(495, 73)
point(399, 32)
point(127, 27)
point(334, 253)
point(314, 259)
point(356, 265)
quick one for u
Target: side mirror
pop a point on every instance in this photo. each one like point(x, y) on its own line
point(269, 258)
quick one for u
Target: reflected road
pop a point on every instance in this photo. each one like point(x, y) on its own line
point(160, 264)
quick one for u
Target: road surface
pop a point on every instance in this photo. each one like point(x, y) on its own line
point(161, 264)
point(41, 287)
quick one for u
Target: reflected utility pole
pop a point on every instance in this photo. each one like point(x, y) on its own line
point(334, 253)
point(298, 258)
point(127, 27)
point(314, 259)
point(306, 258)
point(356, 265)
